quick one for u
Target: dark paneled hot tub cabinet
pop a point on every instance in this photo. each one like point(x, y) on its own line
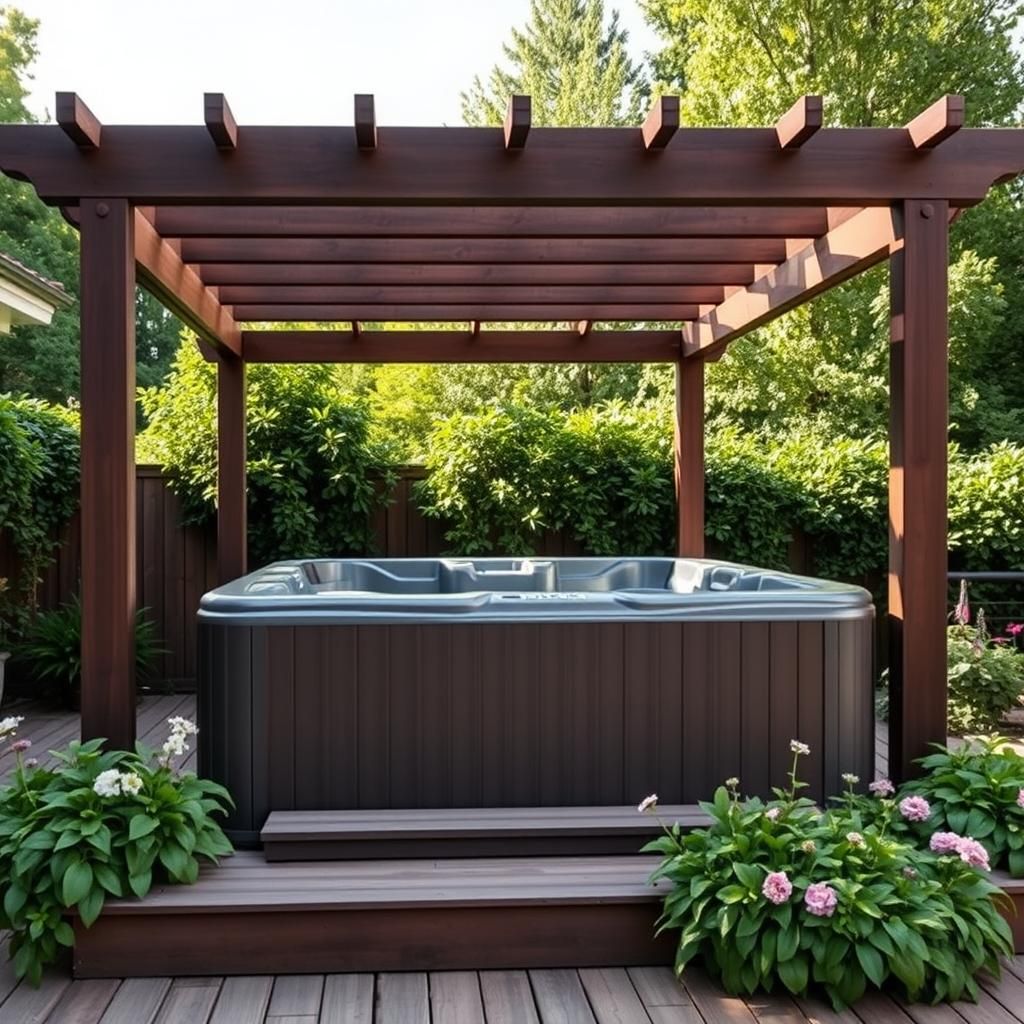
point(331, 706)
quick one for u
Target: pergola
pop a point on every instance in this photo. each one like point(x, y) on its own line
point(718, 229)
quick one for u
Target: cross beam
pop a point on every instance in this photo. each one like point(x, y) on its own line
point(180, 289)
point(460, 347)
point(471, 167)
point(855, 245)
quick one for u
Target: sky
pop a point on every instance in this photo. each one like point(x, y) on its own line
point(293, 62)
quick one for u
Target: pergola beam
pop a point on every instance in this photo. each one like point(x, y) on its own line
point(77, 121)
point(661, 123)
point(558, 346)
point(855, 245)
point(456, 274)
point(487, 312)
point(220, 122)
point(800, 122)
point(457, 166)
point(517, 121)
point(936, 124)
point(492, 221)
point(482, 250)
point(180, 289)
point(534, 295)
point(365, 122)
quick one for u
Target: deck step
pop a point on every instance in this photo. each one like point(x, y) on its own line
point(467, 832)
point(250, 917)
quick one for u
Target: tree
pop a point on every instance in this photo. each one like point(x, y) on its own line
point(571, 63)
point(875, 64)
point(44, 361)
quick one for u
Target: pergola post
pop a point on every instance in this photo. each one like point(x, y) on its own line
point(231, 485)
point(689, 457)
point(108, 470)
point(917, 483)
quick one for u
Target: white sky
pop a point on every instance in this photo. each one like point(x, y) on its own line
point(293, 62)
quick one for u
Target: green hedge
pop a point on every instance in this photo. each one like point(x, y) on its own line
point(39, 454)
point(501, 478)
point(314, 473)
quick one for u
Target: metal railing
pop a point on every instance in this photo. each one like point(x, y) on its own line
point(1001, 594)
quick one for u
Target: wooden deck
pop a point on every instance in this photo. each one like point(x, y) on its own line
point(594, 995)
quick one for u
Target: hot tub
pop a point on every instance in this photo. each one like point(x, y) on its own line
point(431, 683)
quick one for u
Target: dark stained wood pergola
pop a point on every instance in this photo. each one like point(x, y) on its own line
point(705, 232)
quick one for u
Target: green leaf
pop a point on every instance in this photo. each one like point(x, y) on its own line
point(14, 900)
point(749, 875)
point(108, 878)
point(788, 943)
point(872, 963)
point(76, 883)
point(89, 908)
point(141, 825)
point(140, 884)
point(793, 973)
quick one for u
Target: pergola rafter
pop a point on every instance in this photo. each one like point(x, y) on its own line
point(708, 231)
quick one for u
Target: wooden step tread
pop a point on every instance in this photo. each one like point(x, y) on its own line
point(477, 823)
point(246, 883)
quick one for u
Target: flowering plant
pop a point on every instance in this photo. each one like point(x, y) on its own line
point(781, 892)
point(975, 791)
point(100, 823)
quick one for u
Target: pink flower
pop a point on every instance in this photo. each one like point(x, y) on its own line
point(1020, 798)
point(1015, 628)
point(944, 842)
point(883, 787)
point(973, 853)
point(777, 887)
point(772, 813)
point(915, 808)
point(1001, 640)
point(20, 746)
point(821, 899)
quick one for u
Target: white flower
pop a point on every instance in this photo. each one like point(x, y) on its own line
point(8, 725)
point(131, 783)
point(648, 803)
point(175, 745)
point(850, 779)
point(854, 838)
point(183, 726)
point(799, 748)
point(808, 846)
point(108, 783)
point(732, 782)
point(772, 813)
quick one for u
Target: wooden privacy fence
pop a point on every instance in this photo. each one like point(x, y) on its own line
point(176, 564)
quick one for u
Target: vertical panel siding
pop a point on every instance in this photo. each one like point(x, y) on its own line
point(530, 714)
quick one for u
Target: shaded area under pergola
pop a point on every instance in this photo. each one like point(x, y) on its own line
point(706, 233)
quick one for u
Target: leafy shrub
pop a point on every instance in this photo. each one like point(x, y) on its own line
point(314, 473)
point(103, 823)
point(975, 790)
point(503, 477)
point(985, 678)
point(52, 648)
point(39, 452)
point(782, 893)
point(986, 508)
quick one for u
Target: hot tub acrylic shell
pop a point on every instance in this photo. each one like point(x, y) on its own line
point(405, 683)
